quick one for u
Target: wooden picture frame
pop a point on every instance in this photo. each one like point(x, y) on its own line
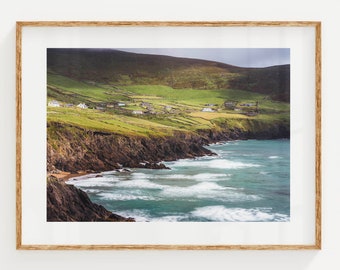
point(34, 36)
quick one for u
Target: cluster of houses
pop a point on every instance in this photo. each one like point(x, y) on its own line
point(148, 109)
point(249, 109)
point(55, 104)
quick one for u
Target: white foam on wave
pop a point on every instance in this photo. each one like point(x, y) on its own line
point(223, 214)
point(145, 184)
point(172, 218)
point(93, 182)
point(138, 215)
point(199, 177)
point(211, 176)
point(215, 164)
point(208, 190)
point(144, 216)
point(205, 188)
point(124, 197)
point(263, 173)
point(274, 157)
point(177, 176)
point(139, 175)
point(109, 172)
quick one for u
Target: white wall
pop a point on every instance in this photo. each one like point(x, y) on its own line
point(326, 11)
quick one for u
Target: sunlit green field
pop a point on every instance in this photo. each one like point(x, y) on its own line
point(155, 110)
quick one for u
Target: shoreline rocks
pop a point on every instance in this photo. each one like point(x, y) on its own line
point(68, 203)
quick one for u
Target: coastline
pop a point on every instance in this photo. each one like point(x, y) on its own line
point(91, 153)
point(65, 176)
point(215, 179)
point(76, 150)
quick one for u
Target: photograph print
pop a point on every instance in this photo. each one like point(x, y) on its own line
point(168, 134)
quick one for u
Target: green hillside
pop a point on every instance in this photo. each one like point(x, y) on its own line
point(148, 95)
point(119, 68)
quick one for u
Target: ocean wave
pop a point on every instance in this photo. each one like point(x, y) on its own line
point(125, 197)
point(171, 218)
point(140, 183)
point(274, 157)
point(215, 164)
point(198, 177)
point(205, 188)
point(139, 175)
point(208, 190)
point(137, 214)
point(263, 173)
point(211, 176)
point(146, 216)
point(223, 214)
point(93, 182)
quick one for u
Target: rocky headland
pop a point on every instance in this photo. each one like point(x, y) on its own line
point(68, 203)
point(74, 149)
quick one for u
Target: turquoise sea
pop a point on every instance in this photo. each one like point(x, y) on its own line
point(246, 181)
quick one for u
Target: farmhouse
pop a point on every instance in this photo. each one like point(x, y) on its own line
point(207, 110)
point(54, 103)
point(230, 104)
point(137, 112)
point(82, 106)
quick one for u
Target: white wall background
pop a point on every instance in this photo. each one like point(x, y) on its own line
point(326, 11)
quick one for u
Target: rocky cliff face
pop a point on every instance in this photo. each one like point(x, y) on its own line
point(74, 149)
point(67, 203)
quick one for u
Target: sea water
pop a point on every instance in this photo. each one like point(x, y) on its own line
point(246, 181)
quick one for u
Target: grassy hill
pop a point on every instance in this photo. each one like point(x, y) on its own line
point(118, 68)
point(151, 95)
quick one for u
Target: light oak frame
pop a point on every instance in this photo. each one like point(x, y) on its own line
point(315, 25)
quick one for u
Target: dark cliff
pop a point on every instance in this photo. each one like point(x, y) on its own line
point(68, 203)
point(74, 149)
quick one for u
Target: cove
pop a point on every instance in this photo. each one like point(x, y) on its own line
point(246, 181)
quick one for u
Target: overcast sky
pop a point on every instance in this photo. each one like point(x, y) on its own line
point(242, 57)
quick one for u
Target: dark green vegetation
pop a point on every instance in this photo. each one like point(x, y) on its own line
point(136, 100)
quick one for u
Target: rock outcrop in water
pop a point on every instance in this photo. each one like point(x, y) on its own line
point(68, 203)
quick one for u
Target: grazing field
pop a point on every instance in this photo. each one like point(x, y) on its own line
point(154, 109)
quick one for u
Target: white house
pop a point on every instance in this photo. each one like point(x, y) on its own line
point(121, 104)
point(207, 110)
point(54, 103)
point(137, 112)
point(82, 106)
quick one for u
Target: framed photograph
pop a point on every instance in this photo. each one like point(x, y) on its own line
point(168, 135)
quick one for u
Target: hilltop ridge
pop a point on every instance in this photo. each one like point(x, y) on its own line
point(114, 67)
